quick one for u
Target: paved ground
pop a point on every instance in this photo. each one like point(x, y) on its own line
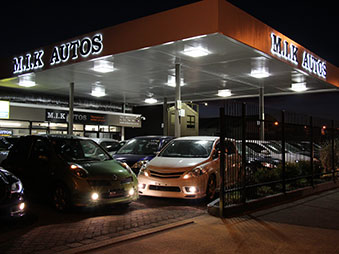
point(49, 232)
point(309, 226)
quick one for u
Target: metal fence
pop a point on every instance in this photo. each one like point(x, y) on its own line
point(280, 153)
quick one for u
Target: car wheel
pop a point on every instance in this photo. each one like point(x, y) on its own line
point(61, 198)
point(211, 187)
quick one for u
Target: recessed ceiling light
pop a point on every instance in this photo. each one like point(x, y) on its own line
point(224, 93)
point(98, 91)
point(260, 73)
point(151, 100)
point(299, 87)
point(196, 51)
point(171, 81)
point(103, 66)
point(27, 80)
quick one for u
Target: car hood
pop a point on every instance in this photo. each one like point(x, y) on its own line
point(100, 168)
point(176, 163)
point(130, 159)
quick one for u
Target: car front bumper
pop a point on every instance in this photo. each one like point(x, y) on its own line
point(193, 188)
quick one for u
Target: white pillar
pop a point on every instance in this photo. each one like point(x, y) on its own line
point(261, 113)
point(177, 124)
point(71, 108)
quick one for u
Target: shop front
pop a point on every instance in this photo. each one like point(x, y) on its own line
point(39, 120)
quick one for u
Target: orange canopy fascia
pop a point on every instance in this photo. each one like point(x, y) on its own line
point(203, 17)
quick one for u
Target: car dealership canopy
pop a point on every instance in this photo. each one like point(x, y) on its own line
point(218, 49)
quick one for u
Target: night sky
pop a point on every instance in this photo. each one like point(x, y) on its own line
point(27, 25)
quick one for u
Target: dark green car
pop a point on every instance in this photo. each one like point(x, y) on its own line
point(71, 171)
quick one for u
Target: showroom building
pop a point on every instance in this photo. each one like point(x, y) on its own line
point(203, 51)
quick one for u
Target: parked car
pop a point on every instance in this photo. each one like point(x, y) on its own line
point(71, 170)
point(257, 156)
point(12, 200)
point(5, 144)
point(140, 150)
point(292, 154)
point(111, 145)
point(186, 168)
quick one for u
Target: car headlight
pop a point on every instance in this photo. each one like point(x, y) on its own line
point(140, 164)
point(125, 166)
point(267, 164)
point(78, 170)
point(144, 171)
point(16, 187)
point(194, 173)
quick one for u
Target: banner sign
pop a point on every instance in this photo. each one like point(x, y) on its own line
point(59, 116)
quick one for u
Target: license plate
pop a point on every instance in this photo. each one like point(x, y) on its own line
point(160, 184)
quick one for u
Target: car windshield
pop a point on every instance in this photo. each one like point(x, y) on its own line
point(77, 150)
point(140, 146)
point(188, 149)
point(256, 147)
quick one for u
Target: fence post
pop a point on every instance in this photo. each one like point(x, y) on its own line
point(222, 163)
point(243, 150)
point(333, 152)
point(283, 154)
point(311, 151)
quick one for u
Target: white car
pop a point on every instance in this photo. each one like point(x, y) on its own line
point(187, 167)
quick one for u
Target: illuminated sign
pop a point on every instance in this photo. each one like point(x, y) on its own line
point(289, 52)
point(28, 62)
point(284, 50)
point(83, 47)
point(60, 116)
point(4, 109)
point(60, 54)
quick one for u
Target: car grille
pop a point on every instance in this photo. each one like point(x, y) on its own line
point(164, 188)
point(166, 175)
point(103, 183)
point(96, 183)
point(113, 194)
point(127, 180)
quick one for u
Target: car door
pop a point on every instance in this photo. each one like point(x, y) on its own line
point(16, 161)
point(39, 165)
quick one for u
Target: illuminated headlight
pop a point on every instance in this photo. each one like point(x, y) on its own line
point(16, 187)
point(194, 173)
point(125, 165)
point(21, 206)
point(140, 164)
point(267, 164)
point(131, 192)
point(141, 186)
point(95, 196)
point(191, 189)
point(78, 170)
point(144, 172)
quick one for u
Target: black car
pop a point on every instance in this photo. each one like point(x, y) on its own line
point(139, 150)
point(12, 201)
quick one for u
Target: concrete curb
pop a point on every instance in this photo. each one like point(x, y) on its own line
point(273, 200)
point(115, 240)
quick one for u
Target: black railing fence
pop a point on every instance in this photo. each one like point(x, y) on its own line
point(280, 153)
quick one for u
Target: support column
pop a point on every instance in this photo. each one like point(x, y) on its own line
point(261, 113)
point(123, 109)
point(71, 108)
point(165, 117)
point(177, 123)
